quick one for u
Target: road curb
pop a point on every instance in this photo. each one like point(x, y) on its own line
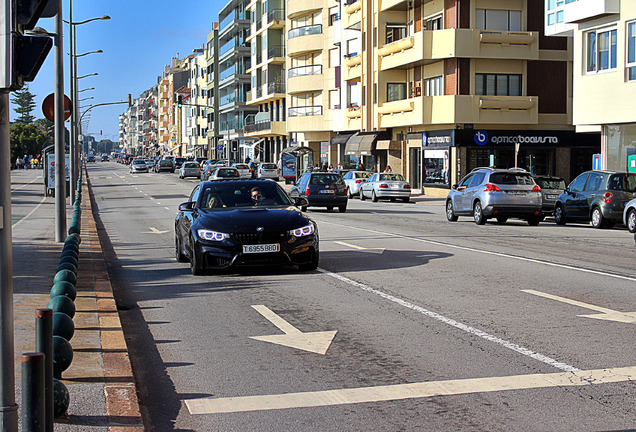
point(120, 391)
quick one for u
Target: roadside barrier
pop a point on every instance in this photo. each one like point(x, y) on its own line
point(44, 396)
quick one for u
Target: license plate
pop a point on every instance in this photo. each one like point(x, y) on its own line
point(516, 193)
point(394, 186)
point(327, 191)
point(262, 248)
point(551, 196)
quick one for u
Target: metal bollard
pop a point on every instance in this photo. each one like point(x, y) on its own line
point(44, 344)
point(33, 406)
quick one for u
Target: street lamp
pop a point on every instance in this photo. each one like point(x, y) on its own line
point(80, 100)
point(84, 76)
point(86, 89)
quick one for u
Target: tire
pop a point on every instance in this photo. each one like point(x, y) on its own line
point(178, 249)
point(349, 194)
point(502, 219)
point(329, 208)
point(303, 209)
point(374, 197)
point(406, 200)
point(559, 215)
point(598, 221)
point(392, 199)
point(313, 265)
point(342, 209)
point(534, 221)
point(478, 214)
point(195, 266)
point(450, 212)
point(362, 197)
point(631, 221)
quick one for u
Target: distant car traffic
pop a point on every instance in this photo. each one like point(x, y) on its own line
point(243, 223)
point(189, 169)
point(353, 180)
point(138, 165)
point(243, 169)
point(104, 158)
point(267, 171)
point(165, 164)
point(495, 193)
point(320, 189)
point(596, 196)
point(224, 173)
point(90, 158)
point(386, 185)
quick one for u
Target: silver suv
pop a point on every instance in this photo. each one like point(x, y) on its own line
point(495, 193)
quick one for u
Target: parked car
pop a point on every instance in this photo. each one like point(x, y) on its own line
point(385, 185)
point(224, 173)
point(218, 227)
point(164, 164)
point(353, 180)
point(138, 165)
point(190, 169)
point(597, 196)
point(178, 161)
point(321, 189)
point(629, 215)
point(267, 171)
point(495, 193)
point(90, 158)
point(243, 169)
point(207, 168)
point(551, 188)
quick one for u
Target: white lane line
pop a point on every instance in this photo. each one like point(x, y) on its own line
point(409, 391)
point(472, 330)
point(30, 213)
point(485, 252)
point(26, 184)
point(349, 245)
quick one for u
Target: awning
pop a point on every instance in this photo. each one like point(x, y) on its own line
point(367, 144)
point(361, 144)
point(254, 144)
point(341, 138)
point(353, 144)
point(388, 145)
point(297, 149)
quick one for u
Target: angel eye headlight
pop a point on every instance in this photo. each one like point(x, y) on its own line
point(304, 231)
point(212, 235)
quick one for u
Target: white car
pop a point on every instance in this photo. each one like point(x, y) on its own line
point(190, 169)
point(138, 165)
point(629, 215)
point(243, 169)
point(267, 171)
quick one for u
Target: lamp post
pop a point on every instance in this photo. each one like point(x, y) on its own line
point(74, 171)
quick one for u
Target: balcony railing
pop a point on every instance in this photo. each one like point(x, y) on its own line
point(228, 20)
point(304, 31)
point(275, 88)
point(231, 44)
point(300, 111)
point(304, 70)
point(276, 15)
point(259, 24)
point(230, 124)
point(258, 127)
point(276, 51)
point(231, 98)
point(232, 70)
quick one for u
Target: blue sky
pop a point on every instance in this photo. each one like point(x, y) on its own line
point(139, 39)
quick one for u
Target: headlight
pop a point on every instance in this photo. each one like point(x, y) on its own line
point(212, 235)
point(304, 231)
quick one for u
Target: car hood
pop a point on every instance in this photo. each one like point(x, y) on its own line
point(248, 219)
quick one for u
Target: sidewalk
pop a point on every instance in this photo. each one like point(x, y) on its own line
point(99, 380)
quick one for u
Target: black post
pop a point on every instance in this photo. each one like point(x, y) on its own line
point(33, 392)
point(44, 344)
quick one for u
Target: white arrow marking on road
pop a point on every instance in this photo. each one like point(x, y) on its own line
point(606, 314)
point(370, 250)
point(154, 230)
point(316, 342)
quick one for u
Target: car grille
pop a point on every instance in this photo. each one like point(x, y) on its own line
point(259, 238)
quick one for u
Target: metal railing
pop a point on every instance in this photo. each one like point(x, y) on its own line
point(304, 31)
point(304, 70)
point(299, 111)
point(276, 15)
point(258, 127)
point(276, 51)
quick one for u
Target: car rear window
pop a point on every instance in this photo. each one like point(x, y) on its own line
point(511, 179)
point(325, 179)
point(622, 182)
point(391, 177)
point(269, 166)
point(364, 175)
point(551, 183)
point(242, 166)
point(191, 165)
point(227, 173)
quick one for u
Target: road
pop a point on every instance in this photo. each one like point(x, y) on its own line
point(438, 326)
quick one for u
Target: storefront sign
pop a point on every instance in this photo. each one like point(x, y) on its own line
point(482, 138)
point(438, 139)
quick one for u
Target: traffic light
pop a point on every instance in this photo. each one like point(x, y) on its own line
point(234, 145)
point(179, 101)
point(22, 55)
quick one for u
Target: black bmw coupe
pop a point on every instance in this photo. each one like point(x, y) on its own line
point(243, 223)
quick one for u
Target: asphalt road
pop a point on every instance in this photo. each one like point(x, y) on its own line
point(439, 326)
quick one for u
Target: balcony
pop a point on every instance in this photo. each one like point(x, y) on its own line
point(429, 46)
point(266, 128)
point(232, 19)
point(305, 39)
point(266, 93)
point(353, 69)
point(306, 119)
point(584, 10)
point(396, 5)
point(276, 18)
point(297, 8)
point(305, 79)
point(443, 110)
point(352, 18)
point(276, 54)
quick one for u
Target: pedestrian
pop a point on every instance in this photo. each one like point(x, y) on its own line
point(388, 169)
point(360, 166)
point(330, 168)
point(25, 162)
point(18, 163)
point(339, 166)
point(324, 166)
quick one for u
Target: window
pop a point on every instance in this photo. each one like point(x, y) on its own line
point(631, 51)
point(395, 91)
point(434, 23)
point(494, 19)
point(559, 16)
point(550, 4)
point(433, 86)
point(498, 84)
point(550, 19)
point(395, 32)
point(601, 50)
point(334, 15)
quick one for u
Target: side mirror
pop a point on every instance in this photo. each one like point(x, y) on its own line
point(299, 202)
point(455, 186)
point(187, 206)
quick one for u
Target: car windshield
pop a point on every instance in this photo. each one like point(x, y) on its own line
point(269, 166)
point(551, 183)
point(506, 178)
point(227, 172)
point(623, 182)
point(325, 179)
point(364, 175)
point(224, 195)
point(191, 165)
point(391, 177)
point(139, 161)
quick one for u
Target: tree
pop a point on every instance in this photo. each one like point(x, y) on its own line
point(47, 127)
point(25, 140)
point(23, 98)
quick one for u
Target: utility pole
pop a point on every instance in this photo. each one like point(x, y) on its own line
point(60, 150)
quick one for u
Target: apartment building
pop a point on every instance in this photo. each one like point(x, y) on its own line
point(436, 88)
point(234, 80)
point(268, 76)
point(172, 79)
point(603, 33)
point(193, 112)
point(215, 147)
